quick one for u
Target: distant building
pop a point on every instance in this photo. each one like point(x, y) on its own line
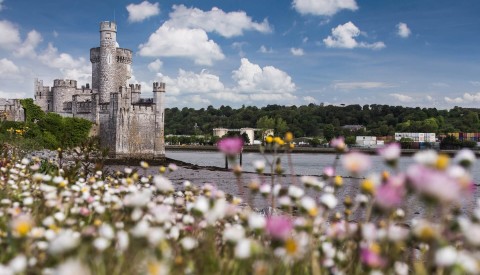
point(368, 141)
point(416, 137)
point(353, 128)
point(11, 109)
point(220, 132)
point(466, 136)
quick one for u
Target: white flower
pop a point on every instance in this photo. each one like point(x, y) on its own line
point(189, 243)
point(467, 262)
point(243, 249)
point(284, 201)
point(308, 203)
point(265, 189)
point(163, 184)
point(122, 240)
point(128, 170)
point(140, 229)
point(259, 165)
point(201, 205)
point(446, 256)
point(256, 221)
point(72, 267)
point(101, 243)
point(174, 233)
point(400, 268)
point(106, 231)
point(465, 157)
point(25, 161)
point(426, 157)
point(138, 199)
point(328, 249)
point(59, 216)
point(471, 231)
point(295, 192)
point(28, 201)
point(369, 232)
point(63, 242)
point(234, 233)
point(329, 200)
point(310, 181)
point(217, 212)
point(155, 235)
point(19, 263)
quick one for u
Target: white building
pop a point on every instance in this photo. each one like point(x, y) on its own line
point(416, 137)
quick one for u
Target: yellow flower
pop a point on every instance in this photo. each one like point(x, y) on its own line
point(288, 137)
point(442, 162)
point(291, 246)
point(368, 186)
point(144, 164)
point(162, 169)
point(338, 181)
point(21, 225)
point(269, 139)
point(313, 211)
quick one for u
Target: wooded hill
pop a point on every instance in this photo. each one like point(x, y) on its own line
point(320, 120)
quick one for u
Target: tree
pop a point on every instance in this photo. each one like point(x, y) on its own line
point(246, 139)
point(265, 123)
point(281, 127)
point(328, 132)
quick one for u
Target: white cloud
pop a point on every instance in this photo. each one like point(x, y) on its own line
point(360, 85)
point(53, 59)
point(343, 36)
point(264, 49)
point(251, 78)
point(199, 100)
point(180, 42)
point(253, 83)
point(309, 99)
point(71, 68)
point(216, 20)
point(323, 7)
point(297, 51)
point(402, 97)
point(155, 66)
point(142, 11)
point(403, 30)
point(29, 45)
point(188, 82)
point(7, 67)
point(466, 98)
point(10, 36)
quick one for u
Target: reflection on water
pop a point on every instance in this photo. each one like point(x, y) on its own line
point(304, 164)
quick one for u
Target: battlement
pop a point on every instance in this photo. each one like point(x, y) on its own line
point(65, 83)
point(136, 88)
point(124, 56)
point(108, 26)
point(95, 55)
point(158, 87)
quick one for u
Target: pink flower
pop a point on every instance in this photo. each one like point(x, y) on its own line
point(329, 171)
point(230, 146)
point(434, 184)
point(371, 258)
point(356, 162)
point(391, 194)
point(390, 153)
point(279, 227)
point(338, 143)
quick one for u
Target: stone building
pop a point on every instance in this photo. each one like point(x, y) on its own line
point(11, 109)
point(129, 125)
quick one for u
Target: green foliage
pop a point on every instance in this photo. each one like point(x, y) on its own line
point(452, 143)
point(379, 120)
point(328, 132)
point(32, 112)
point(45, 130)
point(350, 140)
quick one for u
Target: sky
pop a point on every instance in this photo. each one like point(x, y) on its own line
point(234, 52)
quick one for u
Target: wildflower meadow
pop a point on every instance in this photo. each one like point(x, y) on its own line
point(67, 217)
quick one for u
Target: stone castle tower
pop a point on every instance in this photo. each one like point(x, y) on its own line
point(129, 125)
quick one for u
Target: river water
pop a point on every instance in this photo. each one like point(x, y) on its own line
point(303, 164)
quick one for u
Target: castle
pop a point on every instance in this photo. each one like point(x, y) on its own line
point(130, 126)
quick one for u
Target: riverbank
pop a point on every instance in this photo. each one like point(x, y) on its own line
point(312, 150)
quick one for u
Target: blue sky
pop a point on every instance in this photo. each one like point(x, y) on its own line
point(234, 52)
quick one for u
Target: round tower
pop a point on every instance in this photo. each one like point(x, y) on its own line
point(108, 52)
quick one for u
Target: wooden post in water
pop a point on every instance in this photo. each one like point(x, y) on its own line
point(226, 162)
point(241, 154)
